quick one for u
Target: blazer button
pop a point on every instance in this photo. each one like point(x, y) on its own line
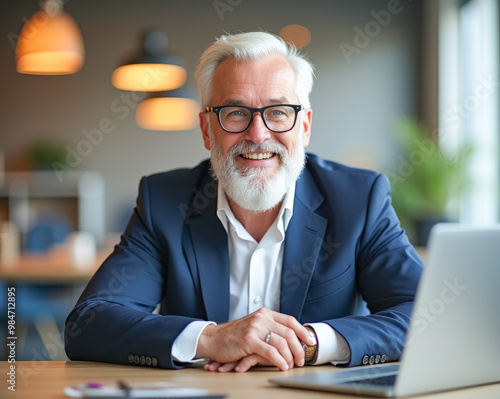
point(148, 360)
point(372, 359)
point(365, 359)
point(131, 358)
point(136, 359)
point(143, 360)
point(154, 361)
point(383, 358)
point(377, 359)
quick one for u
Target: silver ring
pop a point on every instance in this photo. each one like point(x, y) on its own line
point(268, 337)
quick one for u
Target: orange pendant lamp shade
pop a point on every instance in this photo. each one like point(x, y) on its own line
point(154, 69)
point(148, 77)
point(50, 43)
point(168, 111)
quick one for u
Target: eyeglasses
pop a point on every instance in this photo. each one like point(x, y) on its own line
point(278, 118)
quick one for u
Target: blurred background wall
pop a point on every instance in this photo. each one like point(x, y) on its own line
point(356, 98)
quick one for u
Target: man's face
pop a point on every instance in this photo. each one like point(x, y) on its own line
point(255, 84)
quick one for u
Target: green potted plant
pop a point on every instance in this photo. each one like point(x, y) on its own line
point(43, 152)
point(425, 180)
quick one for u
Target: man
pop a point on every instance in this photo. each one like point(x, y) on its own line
point(242, 251)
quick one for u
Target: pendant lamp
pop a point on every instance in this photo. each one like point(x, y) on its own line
point(154, 69)
point(170, 110)
point(50, 43)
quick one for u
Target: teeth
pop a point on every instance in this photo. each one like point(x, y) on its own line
point(260, 155)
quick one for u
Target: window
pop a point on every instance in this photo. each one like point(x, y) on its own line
point(469, 86)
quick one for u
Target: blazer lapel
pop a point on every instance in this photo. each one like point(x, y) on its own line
point(209, 243)
point(304, 238)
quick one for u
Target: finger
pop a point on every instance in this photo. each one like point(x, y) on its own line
point(282, 345)
point(292, 343)
point(207, 364)
point(212, 366)
point(291, 322)
point(227, 367)
point(271, 354)
point(249, 361)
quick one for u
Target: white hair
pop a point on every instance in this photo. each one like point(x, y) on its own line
point(252, 46)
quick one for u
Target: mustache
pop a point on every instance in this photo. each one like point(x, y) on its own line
point(247, 146)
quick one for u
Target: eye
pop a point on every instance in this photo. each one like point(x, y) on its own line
point(236, 112)
point(278, 113)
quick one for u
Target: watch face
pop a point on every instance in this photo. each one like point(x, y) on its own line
point(310, 351)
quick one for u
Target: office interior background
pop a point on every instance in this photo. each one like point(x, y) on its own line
point(400, 86)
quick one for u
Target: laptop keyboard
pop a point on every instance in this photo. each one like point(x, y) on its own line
point(387, 380)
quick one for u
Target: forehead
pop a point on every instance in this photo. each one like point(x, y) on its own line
point(255, 83)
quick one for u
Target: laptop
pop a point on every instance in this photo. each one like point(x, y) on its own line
point(454, 336)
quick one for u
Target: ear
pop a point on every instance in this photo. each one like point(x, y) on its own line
point(204, 129)
point(306, 123)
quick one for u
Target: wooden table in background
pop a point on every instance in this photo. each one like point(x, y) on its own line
point(55, 268)
point(48, 379)
point(52, 268)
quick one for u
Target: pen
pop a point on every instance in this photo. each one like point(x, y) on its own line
point(123, 385)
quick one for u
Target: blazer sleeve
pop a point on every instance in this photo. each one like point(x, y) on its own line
point(388, 270)
point(113, 320)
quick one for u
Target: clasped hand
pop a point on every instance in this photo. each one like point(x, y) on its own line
point(240, 344)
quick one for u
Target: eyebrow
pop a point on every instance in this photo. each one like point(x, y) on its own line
point(231, 101)
point(280, 100)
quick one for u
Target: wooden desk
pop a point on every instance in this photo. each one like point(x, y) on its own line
point(48, 379)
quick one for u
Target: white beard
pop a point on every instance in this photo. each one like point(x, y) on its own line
point(250, 187)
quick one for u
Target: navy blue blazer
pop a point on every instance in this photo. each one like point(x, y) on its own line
point(345, 255)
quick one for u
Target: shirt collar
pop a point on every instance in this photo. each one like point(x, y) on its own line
point(226, 216)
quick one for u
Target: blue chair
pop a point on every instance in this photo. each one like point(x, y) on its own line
point(42, 309)
point(48, 230)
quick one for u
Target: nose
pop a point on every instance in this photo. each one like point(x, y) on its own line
point(257, 132)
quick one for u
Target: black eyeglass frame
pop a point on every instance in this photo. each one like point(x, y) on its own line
point(216, 110)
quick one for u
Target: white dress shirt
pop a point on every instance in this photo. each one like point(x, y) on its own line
point(255, 279)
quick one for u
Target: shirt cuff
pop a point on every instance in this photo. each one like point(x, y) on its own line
point(185, 345)
point(332, 347)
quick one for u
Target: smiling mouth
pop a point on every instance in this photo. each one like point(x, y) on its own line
point(258, 155)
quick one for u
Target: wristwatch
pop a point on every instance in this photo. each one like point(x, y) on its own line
point(311, 351)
